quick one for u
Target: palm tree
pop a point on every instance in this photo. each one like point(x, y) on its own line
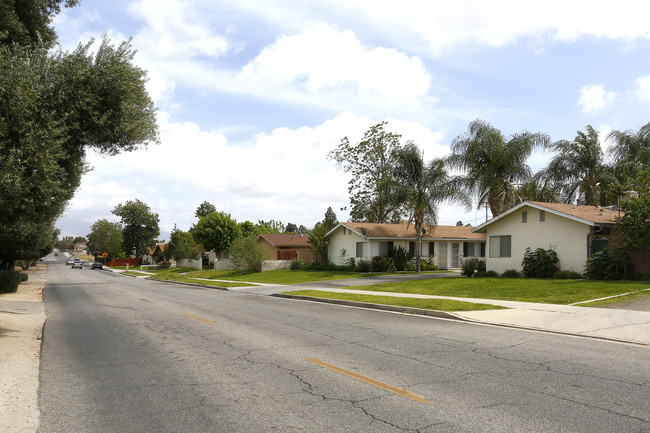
point(578, 170)
point(421, 187)
point(631, 152)
point(494, 165)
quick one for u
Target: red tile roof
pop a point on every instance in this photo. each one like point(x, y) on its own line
point(286, 240)
point(374, 230)
point(594, 214)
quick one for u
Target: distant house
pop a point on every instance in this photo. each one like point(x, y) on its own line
point(80, 248)
point(284, 246)
point(445, 245)
point(155, 254)
point(574, 232)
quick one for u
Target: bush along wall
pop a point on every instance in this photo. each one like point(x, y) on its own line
point(540, 263)
point(9, 281)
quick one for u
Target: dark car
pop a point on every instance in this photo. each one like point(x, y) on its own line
point(96, 265)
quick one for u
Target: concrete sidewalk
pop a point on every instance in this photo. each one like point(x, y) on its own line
point(604, 323)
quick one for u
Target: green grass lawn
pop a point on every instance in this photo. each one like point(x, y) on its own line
point(513, 289)
point(427, 304)
point(282, 276)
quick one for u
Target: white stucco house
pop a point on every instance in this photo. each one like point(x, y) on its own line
point(363, 241)
point(574, 232)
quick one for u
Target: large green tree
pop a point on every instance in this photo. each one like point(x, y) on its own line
point(141, 226)
point(29, 22)
point(631, 152)
point(181, 246)
point(318, 240)
point(53, 107)
point(369, 163)
point(422, 187)
point(494, 165)
point(216, 231)
point(105, 237)
point(578, 171)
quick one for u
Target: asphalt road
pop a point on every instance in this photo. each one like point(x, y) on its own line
point(126, 355)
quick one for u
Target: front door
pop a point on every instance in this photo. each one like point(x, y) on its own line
point(442, 255)
point(455, 255)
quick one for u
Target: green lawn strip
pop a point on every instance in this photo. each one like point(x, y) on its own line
point(632, 297)
point(427, 304)
point(188, 280)
point(282, 276)
point(513, 289)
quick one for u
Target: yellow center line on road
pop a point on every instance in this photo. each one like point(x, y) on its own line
point(198, 318)
point(371, 381)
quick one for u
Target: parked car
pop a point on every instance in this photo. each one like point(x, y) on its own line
point(96, 265)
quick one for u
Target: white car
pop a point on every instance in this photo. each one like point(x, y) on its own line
point(76, 263)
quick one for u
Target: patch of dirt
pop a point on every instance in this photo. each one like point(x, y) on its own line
point(639, 305)
point(22, 318)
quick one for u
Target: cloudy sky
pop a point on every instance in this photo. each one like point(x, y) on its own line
point(253, 94)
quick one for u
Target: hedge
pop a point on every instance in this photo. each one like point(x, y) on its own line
point(9, 280)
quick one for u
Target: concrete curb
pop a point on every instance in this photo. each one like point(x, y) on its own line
point(451, 316)
point(393, 308)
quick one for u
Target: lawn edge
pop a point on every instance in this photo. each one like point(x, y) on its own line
point(393, 308)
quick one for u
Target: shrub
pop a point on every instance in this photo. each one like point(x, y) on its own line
point(400, 257)
point(379, 264)
point(603, 265)
point(247, 254)
point(363, 266)
point(482, 266)
point(567, 275)
point(483, 274)
point(511, 273)
point(23, 277)
point(9, 281)
point(428, 265)
point(297, 264)
point(468, 266)
point(540, 263)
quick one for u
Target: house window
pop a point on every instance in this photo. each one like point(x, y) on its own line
point(472, 250)
point(542, 215)
point(344, 230)
point(412, 248)
point(385, 248)
point(524, 217)
point(361, 249)
point(500, 246)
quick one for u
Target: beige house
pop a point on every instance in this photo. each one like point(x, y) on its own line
point(574, 232)
point(444, 244)
point(283, 246)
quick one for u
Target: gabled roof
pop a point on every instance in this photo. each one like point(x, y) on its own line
point(285, 240)
point(590, 215)
point(404, 231)
point(153, 249)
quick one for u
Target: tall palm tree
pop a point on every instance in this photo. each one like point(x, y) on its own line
point(578, 169)
point(494, 165)
point(631, 152)
point(421, 187)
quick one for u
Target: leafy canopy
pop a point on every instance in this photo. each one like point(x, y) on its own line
point(141, 226)
point(105, 237)
point(369, 163)
point(216, 231)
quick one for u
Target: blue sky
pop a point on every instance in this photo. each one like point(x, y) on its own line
point(252, 94)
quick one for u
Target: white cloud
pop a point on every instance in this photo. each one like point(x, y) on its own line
point(594, 99)
point(283, 175)
point(643, 88)
point(441, 26)
point(174, 29)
